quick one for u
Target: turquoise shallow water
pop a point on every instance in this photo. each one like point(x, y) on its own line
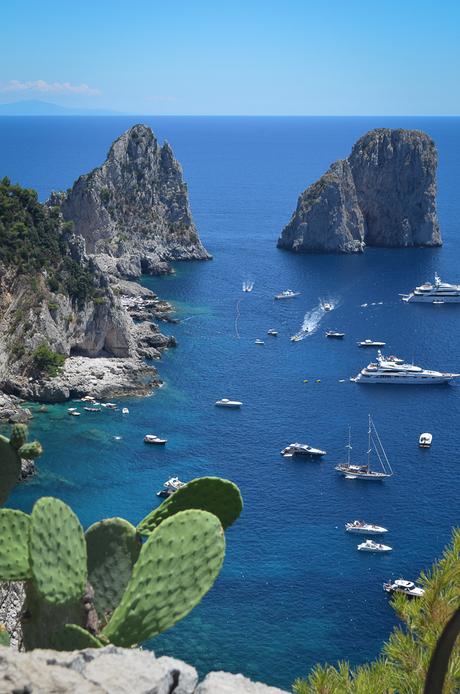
point(293, 590)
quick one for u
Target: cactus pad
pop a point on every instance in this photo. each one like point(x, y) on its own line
point(18, 436)
point(176, 567)
point(4, 636)
point(14, 545)
point(74, 638)
point(57, 552)
point(30, 451)
point(10, 468)
point(212, 494)
point(113, 548)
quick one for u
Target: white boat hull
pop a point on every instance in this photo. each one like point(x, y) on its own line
point(407, 380)
point(366, 531)
point(414, 298)
point(376, 551)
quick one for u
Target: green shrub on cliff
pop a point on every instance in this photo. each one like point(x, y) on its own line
point(47, 361)
point(404, 660)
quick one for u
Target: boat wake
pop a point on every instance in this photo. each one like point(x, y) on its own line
point(313, 318)
point(248, 286)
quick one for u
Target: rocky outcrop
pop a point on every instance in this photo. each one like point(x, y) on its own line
point(113, 670)
point(384, 195)
point(133, 211)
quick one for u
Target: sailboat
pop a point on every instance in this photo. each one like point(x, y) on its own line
point(364, 472)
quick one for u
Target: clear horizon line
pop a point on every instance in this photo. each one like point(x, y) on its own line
point(230, 115)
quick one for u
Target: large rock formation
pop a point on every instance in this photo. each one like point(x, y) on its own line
point(133, 211)
point(384, 194)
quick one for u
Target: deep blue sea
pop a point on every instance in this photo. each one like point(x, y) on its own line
point(294, 590)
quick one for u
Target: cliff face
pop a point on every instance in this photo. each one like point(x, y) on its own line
point(384, 194)
point(133, 211)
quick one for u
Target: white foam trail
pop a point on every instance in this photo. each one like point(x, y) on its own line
point(312, 318)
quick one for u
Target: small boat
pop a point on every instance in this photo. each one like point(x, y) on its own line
point(296, 338)
point(259, 342)
point(151, 438)
point(74, 413)
point(272, 332)
point(125, 411)
point(334, 334)
point(170, 486)
point(407, 588)
point(327, 307)
point(363, 305)
point(371, 343)
point(362, 527)
point(71, 409)
point(371, 546)
point(364, 472)
point(248, 286)
point(109, 405)
point(88, 398)
point(287, 294)
point(92, 409)
point(301, 449)
point(425, 440)
point(225, 402)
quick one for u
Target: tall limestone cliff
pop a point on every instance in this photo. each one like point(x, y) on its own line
point(133, 211)
point(384, 195)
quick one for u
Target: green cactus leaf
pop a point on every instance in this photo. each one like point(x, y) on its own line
point(212, 494)
point(43, 622)
point(176, 567)
point(57, 552)
point(113, 548)
point(14, 545)
point(4, 636)
point(10, 468)
point(74, 638)
point(30, 451)
point(19, 433)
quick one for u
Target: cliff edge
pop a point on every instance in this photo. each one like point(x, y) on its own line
point(383, 194)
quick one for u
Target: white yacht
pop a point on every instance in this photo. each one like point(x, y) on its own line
point(407, 588)
point(170, 486)
point(371, 343)
point(425, 440)
point(225, 402)
point(287, 294)
point(296, 338)
point(437, 292)
point(151, 438)
point(364, 472)
point(259, 342)
point(391, 370)
point(302, 449)
point(272, 332)
point(371, 546)
point(360, 527)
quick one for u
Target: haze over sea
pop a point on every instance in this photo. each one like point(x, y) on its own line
point(294, 590)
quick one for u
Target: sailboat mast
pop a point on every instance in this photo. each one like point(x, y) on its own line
point(369, 445)
point(349, 445)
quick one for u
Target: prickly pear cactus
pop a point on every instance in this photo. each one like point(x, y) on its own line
point(18, 436)
point(31, 450)
point(10, 468)
point(4, 636)
point(75, 638)
point(213, 494)
point(176, 567)
point(14, 545)
point(113, 548)
point(57, 551)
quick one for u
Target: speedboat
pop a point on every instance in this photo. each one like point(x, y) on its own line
point(301, 449)
point(392, 371)
point(125, 411)
point(334, 333)
point(272, 332)
point(371, 343)
point(74, 413)
point(371, 546)
point(364, 528)
point(109, 405)
point(407, 588)
point(92, 409)
point(287, 294)
point(71, 409)
point(327, 307)
point(259, 342)
point(170, 486)
point(425, 440)
point(296, 338)
point(437, 293)
point(151, 438)
point(248, 286)
point(225, 402)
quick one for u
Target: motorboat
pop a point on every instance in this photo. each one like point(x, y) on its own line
point(296, 338)
point(360, 527)
point(436, 293)
point(425, 440)
point(287, 294)
point(407, 588)
point(334, 334)
point(365, 472)
point(301, 449)
point(109, 405)
point(151, 438)
point(92, 409)
point(327, 307)
point(272, 332)
point(75, 413)
point(248, 286)
point(371, 546)
point(170, 486)
point(71, 409)
point(225, 402)
point(394, 371)
point(125, 410)
point(259, 342)
point(371, 343)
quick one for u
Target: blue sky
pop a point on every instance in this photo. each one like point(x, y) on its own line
point(339, 57)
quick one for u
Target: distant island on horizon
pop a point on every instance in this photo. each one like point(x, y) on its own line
point(35, 107)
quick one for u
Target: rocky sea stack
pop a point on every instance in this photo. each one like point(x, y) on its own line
point(133, 211)
point(383, 194)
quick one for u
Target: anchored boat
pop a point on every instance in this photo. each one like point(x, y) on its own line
point(364, 472)
point(302, 449)
point(407, 588)
point(360, 527)
point(371, 546)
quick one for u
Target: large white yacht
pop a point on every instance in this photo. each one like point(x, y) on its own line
point(437, 292)
point(393, 370)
